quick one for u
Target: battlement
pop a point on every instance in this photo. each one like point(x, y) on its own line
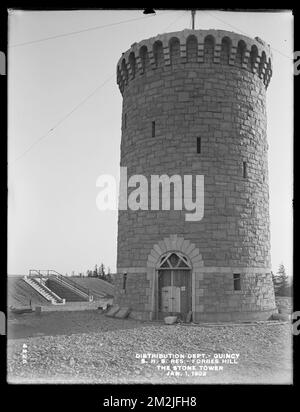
point(200, 46)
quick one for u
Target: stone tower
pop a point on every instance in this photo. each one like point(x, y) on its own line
point(194, 103)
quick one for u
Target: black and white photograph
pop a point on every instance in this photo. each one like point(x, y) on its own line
point(150, 197)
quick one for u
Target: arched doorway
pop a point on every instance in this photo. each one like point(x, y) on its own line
point(174, 285)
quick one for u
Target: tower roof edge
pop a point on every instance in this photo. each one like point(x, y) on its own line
point(218, 35)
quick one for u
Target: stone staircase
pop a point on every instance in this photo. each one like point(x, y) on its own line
point(39, 285)
point(57, 288)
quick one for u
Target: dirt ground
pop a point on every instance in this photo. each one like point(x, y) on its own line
point(88, 347)
point(64, 323)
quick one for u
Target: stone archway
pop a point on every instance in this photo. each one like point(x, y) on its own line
point(173, 243)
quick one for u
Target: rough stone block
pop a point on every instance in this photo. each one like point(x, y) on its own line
point(112, 311)
point(122, 313)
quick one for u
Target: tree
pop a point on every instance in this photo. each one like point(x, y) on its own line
point(275, 281)
point(102, 267)
point(102, 271)
point(108, 276)
point(95, 271)
point(281, 281)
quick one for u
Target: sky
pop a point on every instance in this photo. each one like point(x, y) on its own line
point(64, 128)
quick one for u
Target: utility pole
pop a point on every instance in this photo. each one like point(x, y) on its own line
point(193, 19)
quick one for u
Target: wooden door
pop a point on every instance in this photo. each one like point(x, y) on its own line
point(182, 279)
point(174, 292)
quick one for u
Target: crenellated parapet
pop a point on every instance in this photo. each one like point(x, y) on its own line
point(197, 46)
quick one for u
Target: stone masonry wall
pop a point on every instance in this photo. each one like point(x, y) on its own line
point(136, 293)
point(212, 86)
point(216, 299)
point(214, 296)
point(225, 106)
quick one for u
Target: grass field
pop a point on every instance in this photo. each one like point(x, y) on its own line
point(19, 293)
point(98, 287)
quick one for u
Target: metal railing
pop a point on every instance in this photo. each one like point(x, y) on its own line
point(54, 273)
